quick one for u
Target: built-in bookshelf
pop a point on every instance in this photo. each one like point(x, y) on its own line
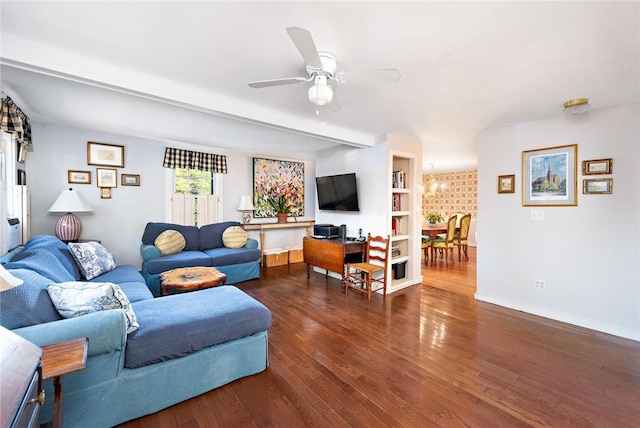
point(402, 197)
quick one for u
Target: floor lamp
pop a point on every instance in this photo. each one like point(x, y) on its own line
point(69, 226)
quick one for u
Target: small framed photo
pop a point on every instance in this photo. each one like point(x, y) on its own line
point(593, 186)
point(130, 179)
point(79, 177)
point(105, 193)
point(105, 154)
point(597, 166)
point(106, 177)
point(506, 183)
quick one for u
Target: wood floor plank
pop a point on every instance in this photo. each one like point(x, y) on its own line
point(426, 356)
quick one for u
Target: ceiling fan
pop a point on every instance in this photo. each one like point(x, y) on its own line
point(321, 68)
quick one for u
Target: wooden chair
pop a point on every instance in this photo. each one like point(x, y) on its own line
point(460, 238)
point(445, 243)
point(426, 244)
point(365, 277)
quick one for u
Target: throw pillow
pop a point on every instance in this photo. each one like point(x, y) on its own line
point(234, 237)
point(92, 259)
point(76, 298)
point(170, 242)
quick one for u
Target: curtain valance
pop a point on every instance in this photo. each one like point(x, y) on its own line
point(178, 158)
point(14, 121)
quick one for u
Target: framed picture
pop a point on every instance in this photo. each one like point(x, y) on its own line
point(507, 183)
point(597, 166)
point(274, 178)
point(130, 179)
point(105, 154)
point(105, 193)
point(79, 177)
point(549, 176)
point(597, 186)
point(106, 177)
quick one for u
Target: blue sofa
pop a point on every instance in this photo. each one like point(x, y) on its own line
point(186, 344)
point(204, 247)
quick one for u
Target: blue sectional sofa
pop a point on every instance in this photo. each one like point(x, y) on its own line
point(204, 247)
point(186, 344)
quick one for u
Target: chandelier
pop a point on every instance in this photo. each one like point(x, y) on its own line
point(433, 188)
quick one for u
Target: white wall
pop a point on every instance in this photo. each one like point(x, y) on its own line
point(589, 254)
point(119, 222)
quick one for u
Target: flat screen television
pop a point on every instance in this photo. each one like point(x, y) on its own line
point(337, 192)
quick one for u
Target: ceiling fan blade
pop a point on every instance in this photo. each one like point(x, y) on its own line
point(278, 82)
point(377, 75)
point(307, 48)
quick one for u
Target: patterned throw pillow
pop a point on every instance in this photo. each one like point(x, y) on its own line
point(76, 298)
point(234, 237)
point(170, 242)
point(92, 259)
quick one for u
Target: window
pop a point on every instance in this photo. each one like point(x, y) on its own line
point(193, 182)
point(194, 201)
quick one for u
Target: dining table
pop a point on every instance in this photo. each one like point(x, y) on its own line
point(433, 230)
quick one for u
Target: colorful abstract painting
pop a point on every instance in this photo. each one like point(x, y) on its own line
point(273, 178)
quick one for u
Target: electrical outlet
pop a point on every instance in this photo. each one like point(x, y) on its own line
point(540, 284)
point(537, 215)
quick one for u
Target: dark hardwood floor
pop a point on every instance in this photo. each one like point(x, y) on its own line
point(429, 355)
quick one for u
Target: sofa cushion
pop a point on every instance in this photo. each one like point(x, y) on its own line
point(58, 249)
point(211, 234)
point(170, 242)
point(28, 304)
point(130, 281)
point(178, 260)
point(43, 262)
point(192, 321)
point(190, 233)
point(135, 291)
point(92, 258)
point(230, 256)
point(234, 237)
point(77, 298)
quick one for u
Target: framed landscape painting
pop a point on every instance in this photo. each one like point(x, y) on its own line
point(549, 176)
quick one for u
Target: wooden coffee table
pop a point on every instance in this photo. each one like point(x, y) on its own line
point(191, 278)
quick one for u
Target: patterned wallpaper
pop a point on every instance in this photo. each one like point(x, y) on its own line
point(459, 195)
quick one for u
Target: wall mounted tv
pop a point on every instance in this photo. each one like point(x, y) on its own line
point(337, 192)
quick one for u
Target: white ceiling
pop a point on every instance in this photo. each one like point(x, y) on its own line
point(178, 71)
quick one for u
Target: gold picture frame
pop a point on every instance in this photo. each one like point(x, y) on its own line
point(105, 193)
point(597, 186)
point(79, 177)
point(550, 176)
point(105, 154)
point(130, 179)
point(597, 166)
point(106, 177)
point(507, 183)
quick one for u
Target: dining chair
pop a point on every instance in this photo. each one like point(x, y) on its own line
point(371, 274)
point(426, 244)
point(445, 243)
point(460, 237)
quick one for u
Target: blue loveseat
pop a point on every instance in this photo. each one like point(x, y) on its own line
point(186, 344)
point(203, 247)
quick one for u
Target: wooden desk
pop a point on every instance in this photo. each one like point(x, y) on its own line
point(331, 254)
point(267, 226)
point(60, 359)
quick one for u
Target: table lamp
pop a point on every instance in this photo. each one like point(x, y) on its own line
point(8, 281)
point(246, 205)
point(69, 226)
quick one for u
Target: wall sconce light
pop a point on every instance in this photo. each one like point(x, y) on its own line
point(245, 206)
point(577, 106)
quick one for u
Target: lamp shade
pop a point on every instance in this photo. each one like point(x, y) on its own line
point(245, 203)
point(69, 226)
point(70, 201)
point(8, 281)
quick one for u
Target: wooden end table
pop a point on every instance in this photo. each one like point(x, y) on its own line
point(191, 278)
point(60, 359)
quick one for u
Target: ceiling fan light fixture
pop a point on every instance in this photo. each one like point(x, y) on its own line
point(577, 106)
point(320, 94)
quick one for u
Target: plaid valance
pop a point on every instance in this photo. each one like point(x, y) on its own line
point(14, 121)
point(178, 158)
